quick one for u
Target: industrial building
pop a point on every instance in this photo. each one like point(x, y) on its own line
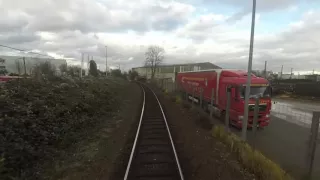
point(14, 64)
point(168, 71)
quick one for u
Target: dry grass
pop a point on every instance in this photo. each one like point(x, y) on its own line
point(255, 161)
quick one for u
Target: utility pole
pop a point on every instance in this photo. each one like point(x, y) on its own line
point(106, 61)
point(291, 73)
point(265, 69)
point(88, 64)
point(24, 65)
point(82, 58)
point(248, 85)
point(281, 72)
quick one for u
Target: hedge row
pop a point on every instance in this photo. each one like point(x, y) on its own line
point(37, 117)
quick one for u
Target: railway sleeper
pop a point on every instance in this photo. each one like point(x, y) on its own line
point(157, 178)
point(153, 127)
point(162, 157)
point(154, 149)
point(162, 141)
point(157, 169)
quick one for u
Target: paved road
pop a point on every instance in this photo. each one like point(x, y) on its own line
point(285, 140)
point(294, 111)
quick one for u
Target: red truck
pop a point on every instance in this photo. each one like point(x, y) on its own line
point(219, 80)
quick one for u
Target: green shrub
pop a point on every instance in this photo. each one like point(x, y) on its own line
point(165, 91)
point(252, 159)
point(178, 99)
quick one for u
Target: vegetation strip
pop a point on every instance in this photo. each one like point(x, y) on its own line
point(250, 158)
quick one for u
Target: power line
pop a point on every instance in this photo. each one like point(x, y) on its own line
point(25, 51)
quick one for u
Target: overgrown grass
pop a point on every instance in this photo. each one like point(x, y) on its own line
point(255, 161)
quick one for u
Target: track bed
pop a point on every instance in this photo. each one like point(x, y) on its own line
point(153, 155)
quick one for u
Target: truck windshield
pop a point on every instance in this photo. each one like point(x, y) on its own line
point(261, 91)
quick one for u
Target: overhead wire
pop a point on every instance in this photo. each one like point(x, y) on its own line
point(17, 49)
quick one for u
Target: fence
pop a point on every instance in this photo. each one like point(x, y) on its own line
point(167, 84)
point(290, 139)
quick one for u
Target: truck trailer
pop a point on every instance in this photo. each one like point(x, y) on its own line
point(215, 82)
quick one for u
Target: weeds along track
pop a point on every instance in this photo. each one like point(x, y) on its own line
point(153, 155)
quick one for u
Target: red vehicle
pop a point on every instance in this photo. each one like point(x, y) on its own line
point(8, 78)
point(219, 80)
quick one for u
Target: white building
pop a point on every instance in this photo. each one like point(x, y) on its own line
point(289, 76)
point(13, 63)
point(168, 71)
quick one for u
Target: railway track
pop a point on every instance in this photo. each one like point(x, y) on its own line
point(153, 155)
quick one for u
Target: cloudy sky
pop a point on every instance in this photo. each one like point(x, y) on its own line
point(287, 31)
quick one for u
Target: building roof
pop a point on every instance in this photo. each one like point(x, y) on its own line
point(208, 64)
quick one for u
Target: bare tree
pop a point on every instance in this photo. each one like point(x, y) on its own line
point(18, 66)
point(154, 57)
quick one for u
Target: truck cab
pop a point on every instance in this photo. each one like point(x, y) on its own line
point(259, 88)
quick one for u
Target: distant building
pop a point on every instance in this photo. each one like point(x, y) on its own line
point(289, 76)
point(14, 64)
point(313, 77)
point(168, 71)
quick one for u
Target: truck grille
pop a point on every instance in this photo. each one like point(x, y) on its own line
point(262, 107)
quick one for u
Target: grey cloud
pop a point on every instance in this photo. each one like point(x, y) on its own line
point(19, 38)
point(263, 5)
point(11, 23)
point(94, 16)
point(292, 48)
point(245, 6)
